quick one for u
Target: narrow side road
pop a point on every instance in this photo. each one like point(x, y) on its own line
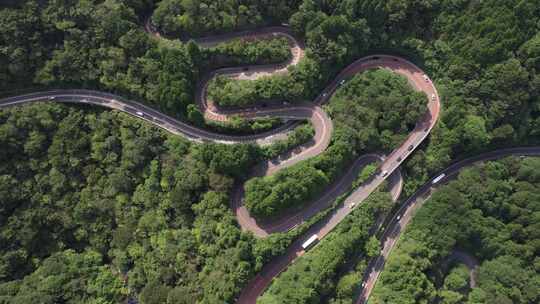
point(398, 223)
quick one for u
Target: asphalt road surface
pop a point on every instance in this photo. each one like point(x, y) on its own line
point(312, 111)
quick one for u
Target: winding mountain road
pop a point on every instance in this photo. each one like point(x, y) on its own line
point(322, 125)
point(305, 110)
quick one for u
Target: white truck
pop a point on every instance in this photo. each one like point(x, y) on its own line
point(310, 242)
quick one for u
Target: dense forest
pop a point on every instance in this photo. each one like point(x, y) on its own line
point(93, 44)
point(103, 45)
point(96, 206)
point(315, 275)
point(374, 111)
point(205, 17)
point(490, 96)
point(491, 212)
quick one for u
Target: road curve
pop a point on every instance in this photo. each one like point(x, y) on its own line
point(323, 132)
point(322, 138)
point(418, 80)
point(395, 226)
point(139, 110)
point(321, 122)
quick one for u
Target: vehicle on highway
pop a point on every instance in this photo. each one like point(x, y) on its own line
point(426, 78)
point(139, 113)
point(286, 103)
point(52, 98)
point(410, 147)
point(438, 178)
point(171, 125)
point(363, 284)
point(399, 159)
point(376, 58)
point(432, 96)
point(398, 217)
point(310, 242)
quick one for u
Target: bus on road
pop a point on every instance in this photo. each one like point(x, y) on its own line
point(310, 242)
point(438, 179)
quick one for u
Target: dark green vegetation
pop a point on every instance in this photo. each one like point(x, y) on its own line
point(90, 198)
point(102, 45)
point(227, 92)
point(239, 125)
point(93, 44)
point(239, 52)
point(484, 56)
point(302, 134)
point(315, 275)
point(203, 17)
point(303, 81)
point(374, 111)
point(491, 211)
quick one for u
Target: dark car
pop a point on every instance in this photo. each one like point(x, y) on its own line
point(411, 147)
point(246, 68)
point(399, 159)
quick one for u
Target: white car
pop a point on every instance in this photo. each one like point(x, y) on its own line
point(432, 96)
point(342, 82)
point(139, 113)
point(364, 284)
point(398, 217)
point(324, 94)
point(426, 78)
point(52, 98)
point(352, 205)
point(384, 173)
